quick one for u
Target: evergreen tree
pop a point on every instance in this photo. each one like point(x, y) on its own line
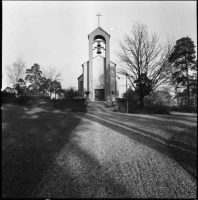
point(183, 60)
point(34, 76)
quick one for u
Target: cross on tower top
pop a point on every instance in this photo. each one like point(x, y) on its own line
point(98, 18)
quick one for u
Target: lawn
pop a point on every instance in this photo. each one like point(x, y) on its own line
point(177, 130)
point(31, 138)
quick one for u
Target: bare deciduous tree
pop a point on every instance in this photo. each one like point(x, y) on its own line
point(144, 60)
point(51, 75)
point(16, 70)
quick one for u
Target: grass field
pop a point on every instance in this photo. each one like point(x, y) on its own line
point(33, 136)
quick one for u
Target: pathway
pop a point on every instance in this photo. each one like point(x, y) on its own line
point(121, 155)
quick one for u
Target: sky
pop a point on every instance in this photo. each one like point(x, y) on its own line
point(55, 33)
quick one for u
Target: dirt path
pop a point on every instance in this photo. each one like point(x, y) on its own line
point(120, 155)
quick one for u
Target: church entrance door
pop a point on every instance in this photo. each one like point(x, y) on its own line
point(99, 95)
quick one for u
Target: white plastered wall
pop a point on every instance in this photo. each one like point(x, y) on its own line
point(85, 66)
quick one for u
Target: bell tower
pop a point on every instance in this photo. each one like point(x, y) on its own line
point(99, 37)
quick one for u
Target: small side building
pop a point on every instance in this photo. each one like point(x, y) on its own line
point(80, 85)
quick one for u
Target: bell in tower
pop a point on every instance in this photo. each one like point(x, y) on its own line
point(99, 47)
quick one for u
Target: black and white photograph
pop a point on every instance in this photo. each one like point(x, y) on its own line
point(99, 99)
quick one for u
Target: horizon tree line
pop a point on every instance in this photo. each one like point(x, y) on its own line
point(43, 82)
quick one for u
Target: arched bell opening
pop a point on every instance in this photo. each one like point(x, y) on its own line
point(99, 37)
point(99, 46)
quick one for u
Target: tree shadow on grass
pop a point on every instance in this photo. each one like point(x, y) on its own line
point(181, 152)
point(30, 141)
point(88, 180)
point(186, 159)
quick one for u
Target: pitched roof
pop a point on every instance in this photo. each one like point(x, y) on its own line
point(100, 29)
point(80, 76)
point(85, 62)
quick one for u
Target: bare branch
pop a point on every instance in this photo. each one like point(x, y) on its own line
point(52, 74)
point(16, 71)
point(141, 53)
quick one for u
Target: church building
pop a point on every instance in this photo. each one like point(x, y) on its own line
point(98, 73)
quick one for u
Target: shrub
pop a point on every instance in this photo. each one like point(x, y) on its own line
point(133, 107)
point(31, 99)
point(183, 108)
point(8, 97)
point(153, 110)
point(70, 93)
point(76, 105)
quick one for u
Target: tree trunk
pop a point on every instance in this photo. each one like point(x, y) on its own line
point(188, 93)
point(176, 95)
point(141, 102)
